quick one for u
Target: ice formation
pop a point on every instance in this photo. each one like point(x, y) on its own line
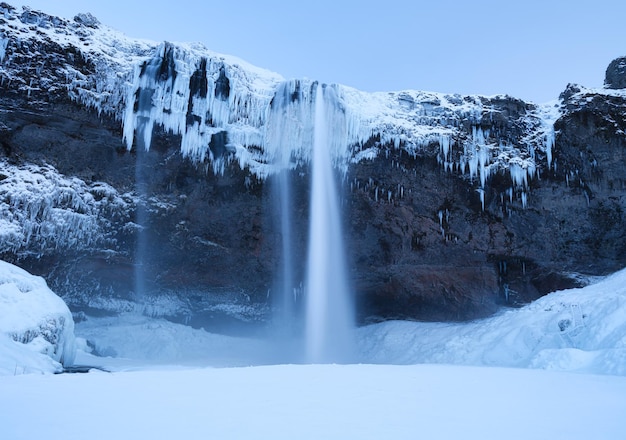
point(32, 315)
point(226, 110)
point(3, 47)
point(42, 209)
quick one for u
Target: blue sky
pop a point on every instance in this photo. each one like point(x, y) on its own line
point(528, 49)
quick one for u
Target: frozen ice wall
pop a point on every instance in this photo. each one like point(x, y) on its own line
point(223, 112)
point(223, 108)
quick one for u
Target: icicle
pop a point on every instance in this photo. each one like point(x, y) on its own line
point(481, 192)
point(549, 144)
point(519, 175)
point(4, 42)
point(444, 145)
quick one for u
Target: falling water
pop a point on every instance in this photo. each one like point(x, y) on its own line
point(285, 301)
point(329, 314)
point(144, 127)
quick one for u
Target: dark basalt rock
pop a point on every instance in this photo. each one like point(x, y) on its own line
point(616, 74)
point(87, 19)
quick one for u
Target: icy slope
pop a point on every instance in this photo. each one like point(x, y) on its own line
point(227, 110)
point(36, 327)
point(574, 330)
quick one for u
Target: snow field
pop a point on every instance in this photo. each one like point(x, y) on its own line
point(150, 394)
point(313, 402)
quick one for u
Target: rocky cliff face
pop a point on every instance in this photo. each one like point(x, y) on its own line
point(140, 175)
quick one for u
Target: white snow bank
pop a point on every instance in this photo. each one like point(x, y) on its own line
point(36, 326)
point(315, 402)
point(581, 330)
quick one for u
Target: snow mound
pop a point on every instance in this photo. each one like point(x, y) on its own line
point(36, 326)
point(582, 330)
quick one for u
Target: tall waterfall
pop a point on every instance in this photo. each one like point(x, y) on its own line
point(307, 123)
point(329, 313)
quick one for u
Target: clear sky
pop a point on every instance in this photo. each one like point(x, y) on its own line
point(530, 49)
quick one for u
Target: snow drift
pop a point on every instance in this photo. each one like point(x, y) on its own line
point(36, 326)
point(581, 330)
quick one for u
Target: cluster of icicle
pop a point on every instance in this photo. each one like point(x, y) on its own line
point(210, 99)
point(40, 209)
point(479, 159)
point(266, 123)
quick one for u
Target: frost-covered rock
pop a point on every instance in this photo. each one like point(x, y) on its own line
point(87, 19)
point(41, 209)
point(226, 110)
point(36, 326)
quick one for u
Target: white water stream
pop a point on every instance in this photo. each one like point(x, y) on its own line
point(329, 314)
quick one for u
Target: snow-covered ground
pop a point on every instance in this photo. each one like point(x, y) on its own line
point(314, 402)
point(410, 380)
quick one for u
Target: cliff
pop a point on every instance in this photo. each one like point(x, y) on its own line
point(141, 175)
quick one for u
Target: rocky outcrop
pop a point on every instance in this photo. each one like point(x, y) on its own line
point(616, 74)
point(161, 164)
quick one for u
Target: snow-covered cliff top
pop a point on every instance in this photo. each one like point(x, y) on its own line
point(225, 109)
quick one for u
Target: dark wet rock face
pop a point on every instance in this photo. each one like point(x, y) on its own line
point(616, 74)
point(424, 239)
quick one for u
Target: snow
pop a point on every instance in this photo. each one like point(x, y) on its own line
point(182, 89)
point(313, 402)
point(579, 330)
point(582, 330)
point(36, 327)
point(566, 378)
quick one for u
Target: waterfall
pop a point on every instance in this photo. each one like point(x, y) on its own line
point(329, 325)
point(144, 127)
point(309, 121)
